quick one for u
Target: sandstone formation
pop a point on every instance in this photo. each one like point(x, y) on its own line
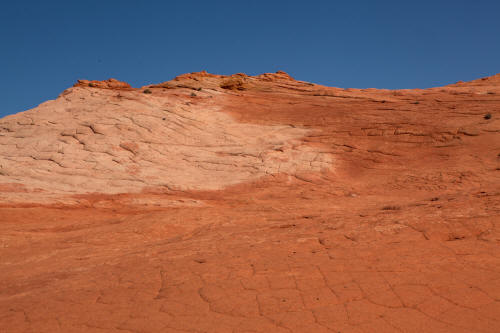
point(214, 203)
point(99, 140)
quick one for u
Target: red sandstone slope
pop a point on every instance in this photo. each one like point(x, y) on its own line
point(252, 204)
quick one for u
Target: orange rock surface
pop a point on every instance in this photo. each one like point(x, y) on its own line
point(240, 203)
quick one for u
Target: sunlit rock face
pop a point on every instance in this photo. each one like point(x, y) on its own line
point(214, 203)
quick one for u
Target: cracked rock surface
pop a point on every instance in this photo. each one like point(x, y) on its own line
point(235, 203)
point(99, 140)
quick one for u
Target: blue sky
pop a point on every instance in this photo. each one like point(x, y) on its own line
point(46, 46)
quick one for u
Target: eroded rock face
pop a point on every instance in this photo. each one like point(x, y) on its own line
point(240, 203)
point(104, 141)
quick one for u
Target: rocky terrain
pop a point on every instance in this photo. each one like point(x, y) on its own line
point(239, 203)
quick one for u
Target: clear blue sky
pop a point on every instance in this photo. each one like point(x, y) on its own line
point(47, 45)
